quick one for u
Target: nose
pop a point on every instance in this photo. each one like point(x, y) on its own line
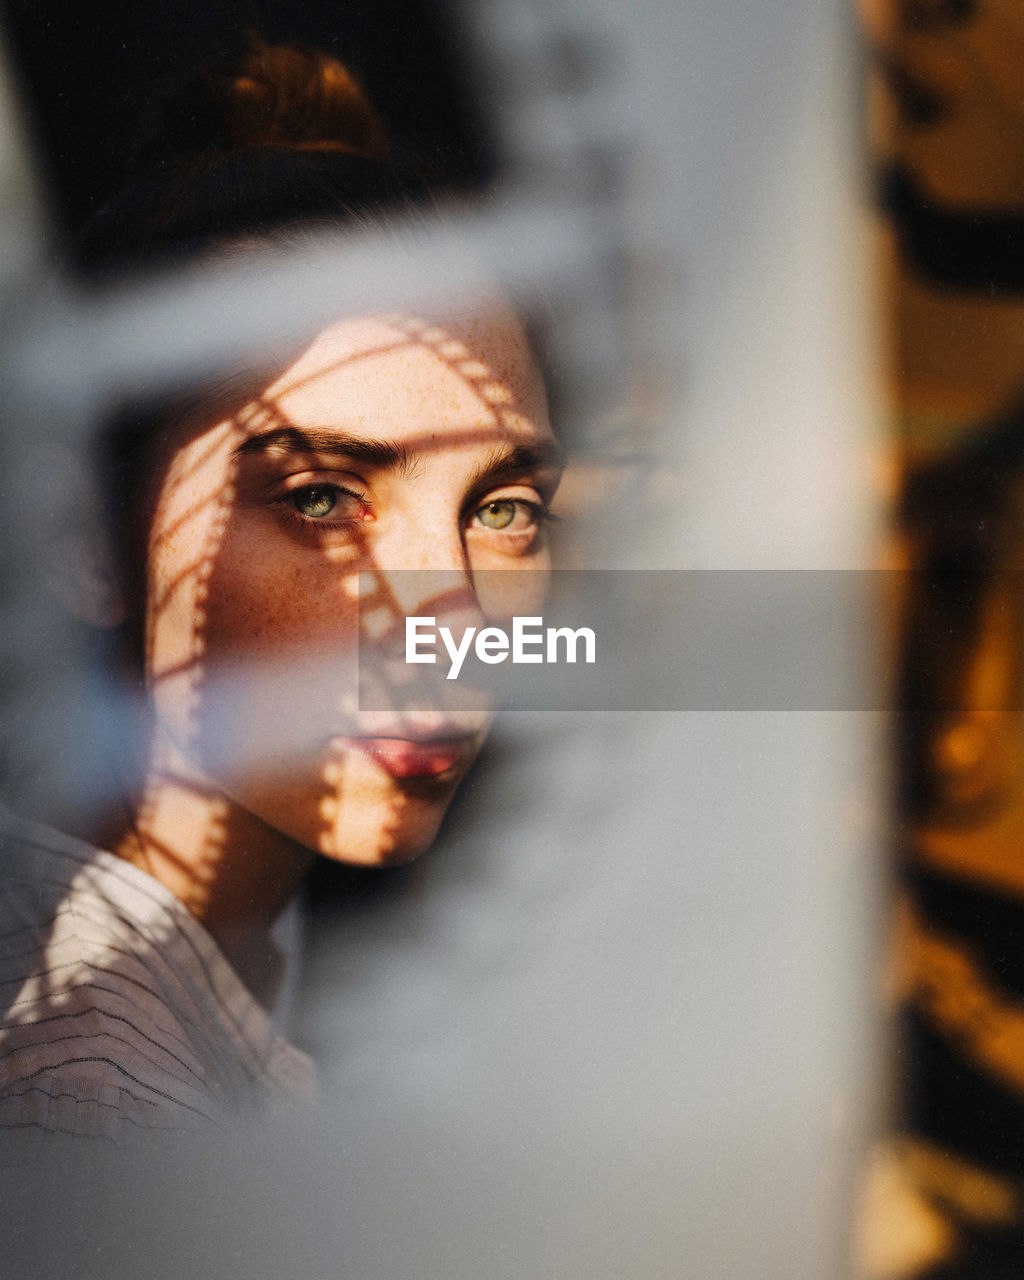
point(418, 576)
point(417, 572)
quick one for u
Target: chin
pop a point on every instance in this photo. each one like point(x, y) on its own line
point(371, 837)
point(371, 818)
point(367, 821)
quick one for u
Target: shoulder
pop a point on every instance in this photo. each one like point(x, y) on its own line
point(91, 1040)
point(117, 1013)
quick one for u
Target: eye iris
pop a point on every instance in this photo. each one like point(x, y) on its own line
point(498, 515)
point(315, 502)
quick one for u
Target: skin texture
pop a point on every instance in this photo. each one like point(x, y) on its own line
point(265, 582)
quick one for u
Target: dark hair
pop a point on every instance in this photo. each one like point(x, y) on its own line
point(280, 137)
point(271, 95)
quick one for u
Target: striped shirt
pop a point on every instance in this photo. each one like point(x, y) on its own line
point(118, 1012)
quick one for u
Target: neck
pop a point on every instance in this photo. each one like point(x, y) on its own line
point(232, 871)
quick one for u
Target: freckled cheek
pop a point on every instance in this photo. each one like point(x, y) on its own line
point(270, 666)
point(261, 611)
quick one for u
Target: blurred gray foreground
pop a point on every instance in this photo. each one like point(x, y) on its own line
point(603, 1038)
point(617, 1025)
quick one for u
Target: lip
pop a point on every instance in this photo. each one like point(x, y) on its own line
point(411, 757)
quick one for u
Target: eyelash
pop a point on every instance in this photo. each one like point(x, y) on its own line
point(539, 511)
point(289, 501)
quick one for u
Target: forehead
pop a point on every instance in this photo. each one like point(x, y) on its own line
point(409, 378)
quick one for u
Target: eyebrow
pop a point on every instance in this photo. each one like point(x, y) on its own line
point(502, 463)
point(336, 444)
point(509, 461)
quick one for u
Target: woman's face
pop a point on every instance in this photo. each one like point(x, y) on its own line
point(391, 465)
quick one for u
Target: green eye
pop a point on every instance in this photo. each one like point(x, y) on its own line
point(315, 502)
point(498, 515)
